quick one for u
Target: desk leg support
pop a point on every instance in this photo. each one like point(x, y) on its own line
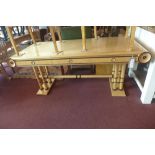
point(117, 80)
point(44, 82)
point(46, 70)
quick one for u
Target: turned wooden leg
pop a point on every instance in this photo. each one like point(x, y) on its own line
point(123, 67)
point(46, 70)
point(119, 74)
point(114, 84)
point(47, 79)
point(43, 78)
point(45, 83)
point(37, 77)
point(113, 71)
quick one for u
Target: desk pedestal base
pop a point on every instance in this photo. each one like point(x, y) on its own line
point(45, 92)
point(116, 92)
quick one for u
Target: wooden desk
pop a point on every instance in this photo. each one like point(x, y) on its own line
point(115, 50)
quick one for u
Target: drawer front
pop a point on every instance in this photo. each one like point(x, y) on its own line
point(73, 61)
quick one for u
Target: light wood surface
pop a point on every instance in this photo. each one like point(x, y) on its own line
point(103, 47)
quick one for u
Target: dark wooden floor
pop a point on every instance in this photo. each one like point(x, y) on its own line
point(74, 103)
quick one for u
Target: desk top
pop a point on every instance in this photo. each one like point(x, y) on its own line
point(102, 47)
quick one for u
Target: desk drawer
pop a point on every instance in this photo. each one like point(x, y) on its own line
point(73, 61)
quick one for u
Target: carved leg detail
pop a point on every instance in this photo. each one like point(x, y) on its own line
point(37, 77)
point(123, 67)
